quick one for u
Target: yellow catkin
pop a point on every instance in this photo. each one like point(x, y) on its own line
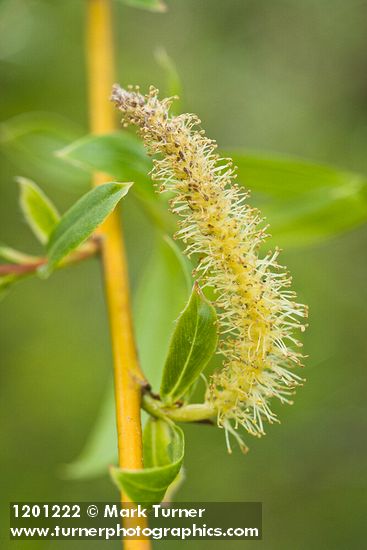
point(257, 312)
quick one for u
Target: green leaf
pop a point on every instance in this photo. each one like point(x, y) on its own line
point(119, 154)
point(30, 141)
point(162, 443)
point(173, 80)
point(281, 175)
point(162, 290)
point(317, 216)
point(122, 156)
point(163, 451)
point(100, 449)
point(192, 345)
point(79, 222)
point(39, 212)
point(175, 485)
point(15, 256)
point(304, 203)
point(151, 5)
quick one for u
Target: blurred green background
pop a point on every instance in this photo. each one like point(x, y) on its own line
point(285, 76)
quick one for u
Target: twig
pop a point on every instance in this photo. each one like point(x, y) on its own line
point(199, 413)
point(88, 250)
point(128, 376)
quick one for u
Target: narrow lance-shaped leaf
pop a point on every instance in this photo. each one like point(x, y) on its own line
point(29, 141)
point(123, 157)
point(309, 202)
point(162, 290)
point(192, 345)
point(100, 449)
point(15, 256)
point(282, 175)
point(81, 220)
point(39, 212)
point(119, 154)
point(150, 5)
point(163, 450)
point(173, 80)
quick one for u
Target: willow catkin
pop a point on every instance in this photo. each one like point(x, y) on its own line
point(257, 312)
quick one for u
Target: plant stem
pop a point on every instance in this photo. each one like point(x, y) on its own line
point(89, 249)
point(128, 376)
point(196, 412)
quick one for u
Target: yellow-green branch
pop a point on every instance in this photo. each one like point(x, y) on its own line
point(128, 376)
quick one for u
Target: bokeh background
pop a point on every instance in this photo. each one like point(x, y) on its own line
point(286, 76)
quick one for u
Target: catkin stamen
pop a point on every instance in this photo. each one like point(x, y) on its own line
point(257, 313)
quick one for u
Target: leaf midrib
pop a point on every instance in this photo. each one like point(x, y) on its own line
point(188, 356)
